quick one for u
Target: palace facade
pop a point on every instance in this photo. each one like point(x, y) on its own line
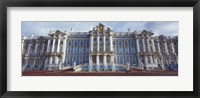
point(100, 49)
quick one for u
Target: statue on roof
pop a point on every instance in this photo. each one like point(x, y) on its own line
point(108, 29)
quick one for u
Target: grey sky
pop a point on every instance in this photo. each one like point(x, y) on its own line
point(168, 28)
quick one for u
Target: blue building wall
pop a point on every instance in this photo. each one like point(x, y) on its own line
point(125, 53)
point(80, 53)
point(77, 50)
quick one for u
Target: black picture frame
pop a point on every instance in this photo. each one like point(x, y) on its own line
point(100, 3)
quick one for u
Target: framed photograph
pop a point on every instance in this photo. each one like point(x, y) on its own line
point(101, 48)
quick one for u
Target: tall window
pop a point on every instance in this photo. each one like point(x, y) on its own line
point(134, 60)
point(95, 44)
point(107, 44)
point(101, 58)
point(87, 59)
point(108, 59)
point(81, 59)
point(94, 59)
point(128, 59)
point(115, 60)
point(101, 44)
point(37, 61)
point(26, 47)
point(149, 60)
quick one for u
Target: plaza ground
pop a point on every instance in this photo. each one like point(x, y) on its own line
point(109, 73)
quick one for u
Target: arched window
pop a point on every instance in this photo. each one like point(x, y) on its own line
point(30, 62)
point(37, 62)
point(127, 59)
point(126, 43)
point(108, 59)
point(81, 59)
point(74, 59)
point(70, 42)
point(94, 59)
point(120, 43)
point(101, 58)
point(42, 61)
point(76, 43)
point(69, 49)
point(87, 59)
point(81, 42)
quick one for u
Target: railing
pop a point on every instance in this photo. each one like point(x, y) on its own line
point(54, 53)
point(147, 53)
point(94, 52)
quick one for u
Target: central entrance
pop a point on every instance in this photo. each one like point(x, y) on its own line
point(101, 48)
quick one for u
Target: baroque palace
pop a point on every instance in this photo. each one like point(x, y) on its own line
point(100, 49)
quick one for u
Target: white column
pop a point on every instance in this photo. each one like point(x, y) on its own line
point(111, 43)
point(161, 63)
point(22, 48)
point(159, 47)
point(60, 64)
point(29, 47)
point(90, 60)
point(145, 59)
point(169, 60)
point(151, 59)
point(112, 60)
point(166, 48)
point(36, 46)
point(58, 45)
point(153, 45)
point(91, 43)
point(56, 60)
point(138, 47)
point(26, 61)
point(172, 48)
point(50, 60)
point(48, 48)
point(97, 59)
point(64, 49)
point(97, 42)
point(64, 45)
point(104, 43)
point(144, 50)
point(176, 60)
point(148, 45)
point(53, 45)
point(155, 60)
point(104, 60)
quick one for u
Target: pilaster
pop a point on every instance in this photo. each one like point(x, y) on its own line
point(58, 45)
point(53, 45)
point(97, 42)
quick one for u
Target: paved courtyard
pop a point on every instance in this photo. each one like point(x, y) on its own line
point(71, 73)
